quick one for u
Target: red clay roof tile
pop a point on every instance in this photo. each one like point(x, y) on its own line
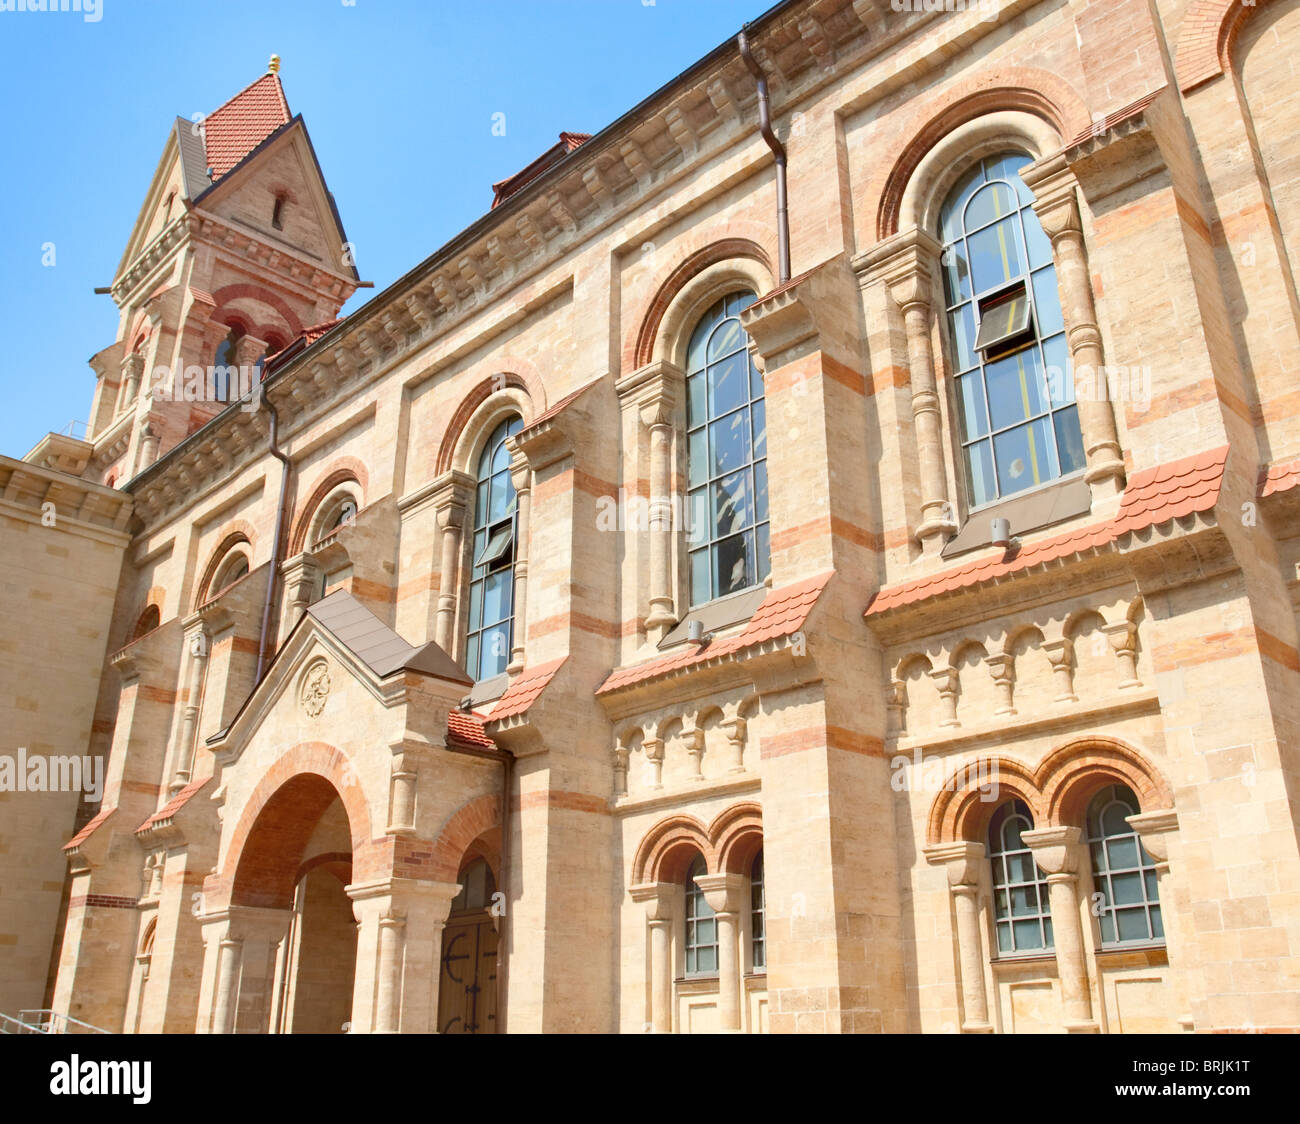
point(1279, 478)
point(523, 692)
point(467, 728)
point(174, 805)
point(91, 825)
point(234, 129)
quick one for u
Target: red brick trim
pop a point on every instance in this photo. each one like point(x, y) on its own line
point(466, 824)
point(737, 833)
point(340, 472)
point(1019, 88)
point(668, 849)
point(1207, 38)
point(237, 532)
point(474, 399)
point(102, 901)
point(257, 292)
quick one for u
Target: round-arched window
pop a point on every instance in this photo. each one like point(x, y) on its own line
point(1021, 911)
point(492, 577)
point(1122, 871)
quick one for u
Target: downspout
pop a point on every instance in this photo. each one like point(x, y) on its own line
point(778, 151)
point(285, 477)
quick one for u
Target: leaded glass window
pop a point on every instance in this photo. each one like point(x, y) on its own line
point(1021, 911)
point(1122, 871)
point(701, 927)
point(492, 577)
point(1015, 397)
point(726, 424)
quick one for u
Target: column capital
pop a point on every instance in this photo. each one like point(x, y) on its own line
point(724, 892)
point(450, 495)
point(961, 860)
point(1056, 195)
point(657, 897)
point(1055, 848)
point(1154, 830)
point(653, 390)
point(906, 262)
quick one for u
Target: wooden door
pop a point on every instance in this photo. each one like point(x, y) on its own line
point(467, 992)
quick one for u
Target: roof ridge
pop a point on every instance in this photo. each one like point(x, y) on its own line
point(279, 87)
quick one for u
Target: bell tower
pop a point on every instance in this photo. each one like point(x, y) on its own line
point(238, 250)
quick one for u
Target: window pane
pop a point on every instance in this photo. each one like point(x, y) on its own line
point(733, 569)
point(471, 658)
point(726, 338)
point(763, 550)
point(981, 487)
point(696, 409)
point(700, 577)
point(1059, 373)
point(729, 438)
point(956, 272)
point(496, 596)
point(496, 650)
point(1038, 244)
point(1069, 440)
point(501, 458)
point(697, 457)
point(755, 380)
point(697, 517)
point(950, 224)
point(1024, 456)
point(760, 492)
point(1122, 853)
point(1017, 390)
point(758, 419)
point(1028, 934)
point(503, 492)
point(476, 605)
point(733, 508)
point(708, 960)
point(963, 334)
point(974, 415)
point(993, 201)
point(1047, 302)
point(728, 383)
point(1133, 925)
point(995, 255)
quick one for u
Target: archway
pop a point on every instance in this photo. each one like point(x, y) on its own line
point(468, 990)
point(293, 915)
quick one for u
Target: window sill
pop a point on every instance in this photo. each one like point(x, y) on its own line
point(725, 612)
point(1028, 511)
point(488, 690)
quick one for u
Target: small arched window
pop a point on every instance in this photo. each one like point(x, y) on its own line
point(492, 578)
point(1015, 393)
point(701, 942)
point(150, 619)
point(1122, 871)
point(757, 916)
point(1022, 914)
point(476, 887)
point(339, 510)
point(234, 567)
point(726, 425)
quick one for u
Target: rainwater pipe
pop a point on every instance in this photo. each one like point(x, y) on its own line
point(778, 151)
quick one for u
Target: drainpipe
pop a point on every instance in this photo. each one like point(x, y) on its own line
point(285, 477)
point(778, 151)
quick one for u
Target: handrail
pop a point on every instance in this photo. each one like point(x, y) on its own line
point(42, 1020)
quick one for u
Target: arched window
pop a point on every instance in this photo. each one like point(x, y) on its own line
point(339, 510)
point(230, 571)
point(150, 619)
point(726, 427)
point(492, 579)
point(757, 916)
point(701, 927)
point(1122, 871)
point(1021, 911)
point(1015, 393)
point(225, 375)
point(476, 887)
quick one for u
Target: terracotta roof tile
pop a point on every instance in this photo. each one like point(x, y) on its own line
point(1279, 478)
point(1153, 496)
point(523, 692)
point(503, 189)
point(562, 404)
point(174, 805)
point(233, 130)
point(782, 613)
point(91, 825)
point(467, 728)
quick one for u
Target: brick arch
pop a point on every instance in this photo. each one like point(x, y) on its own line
point(258, 293)
point(1071, 774)
point(484, 390)
point(479, 817)
point(341, 471)
point(1206, 40)
point(666, 852)
point(737, 836)
point(1027, 89)
point(640, 350)
point(961, 811)
point(237, 531)
point(338, 862)
point(264, 851)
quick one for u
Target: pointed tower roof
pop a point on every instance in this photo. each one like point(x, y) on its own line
point(234, 129)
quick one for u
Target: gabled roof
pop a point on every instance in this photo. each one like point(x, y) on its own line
point(503, 189)
point(1153, 496)
point(378, 646)
point(233, 130)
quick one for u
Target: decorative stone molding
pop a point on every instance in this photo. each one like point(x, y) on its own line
point(963, 862)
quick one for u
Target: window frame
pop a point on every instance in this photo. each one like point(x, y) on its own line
point(1103, 878)
point(757, 916)
point(999, 859)
point(696, 911)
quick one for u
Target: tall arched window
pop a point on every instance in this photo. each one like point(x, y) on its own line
point(492, 580)
point(1015, 393)
point(726, 456)
point(757, 916)
point(1122, 871)
point(701, 927)
point(1021, 912)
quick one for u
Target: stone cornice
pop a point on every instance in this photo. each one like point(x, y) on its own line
point(78, 503)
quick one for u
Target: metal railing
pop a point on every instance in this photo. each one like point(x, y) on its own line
point(42, 1021)
point(75, 429)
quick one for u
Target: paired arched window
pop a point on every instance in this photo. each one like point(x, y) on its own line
point(728, 539)
point(1015, 402)
point(1122, 871)
point(701, 927)
point(492, 578)
point(1021, 911)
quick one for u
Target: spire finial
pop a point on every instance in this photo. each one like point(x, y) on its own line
point(273, 67)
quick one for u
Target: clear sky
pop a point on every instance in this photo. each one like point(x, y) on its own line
point(398, 96)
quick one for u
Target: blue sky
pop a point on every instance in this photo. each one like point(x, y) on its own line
point(398, 96)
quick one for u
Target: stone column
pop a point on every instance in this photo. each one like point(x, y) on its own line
point(658, 898)
point(725, 895)
point(1003, 669)
point(197, 646)
point(653, 748)
point(231, 953)
point(302, 583)
point(1056, 203)
point(452, 495)
point(907, 263)
point(1123, 642)
point(1056, 851)
point(1060, 653)
point(521, 476)
point(735, 730)
point(963, 862)
point(945, 682)
point(1155, 829)
point(148, 447)
point(656, 392)
point(132, 368)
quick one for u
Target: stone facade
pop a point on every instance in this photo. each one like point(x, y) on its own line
point(861, 794)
